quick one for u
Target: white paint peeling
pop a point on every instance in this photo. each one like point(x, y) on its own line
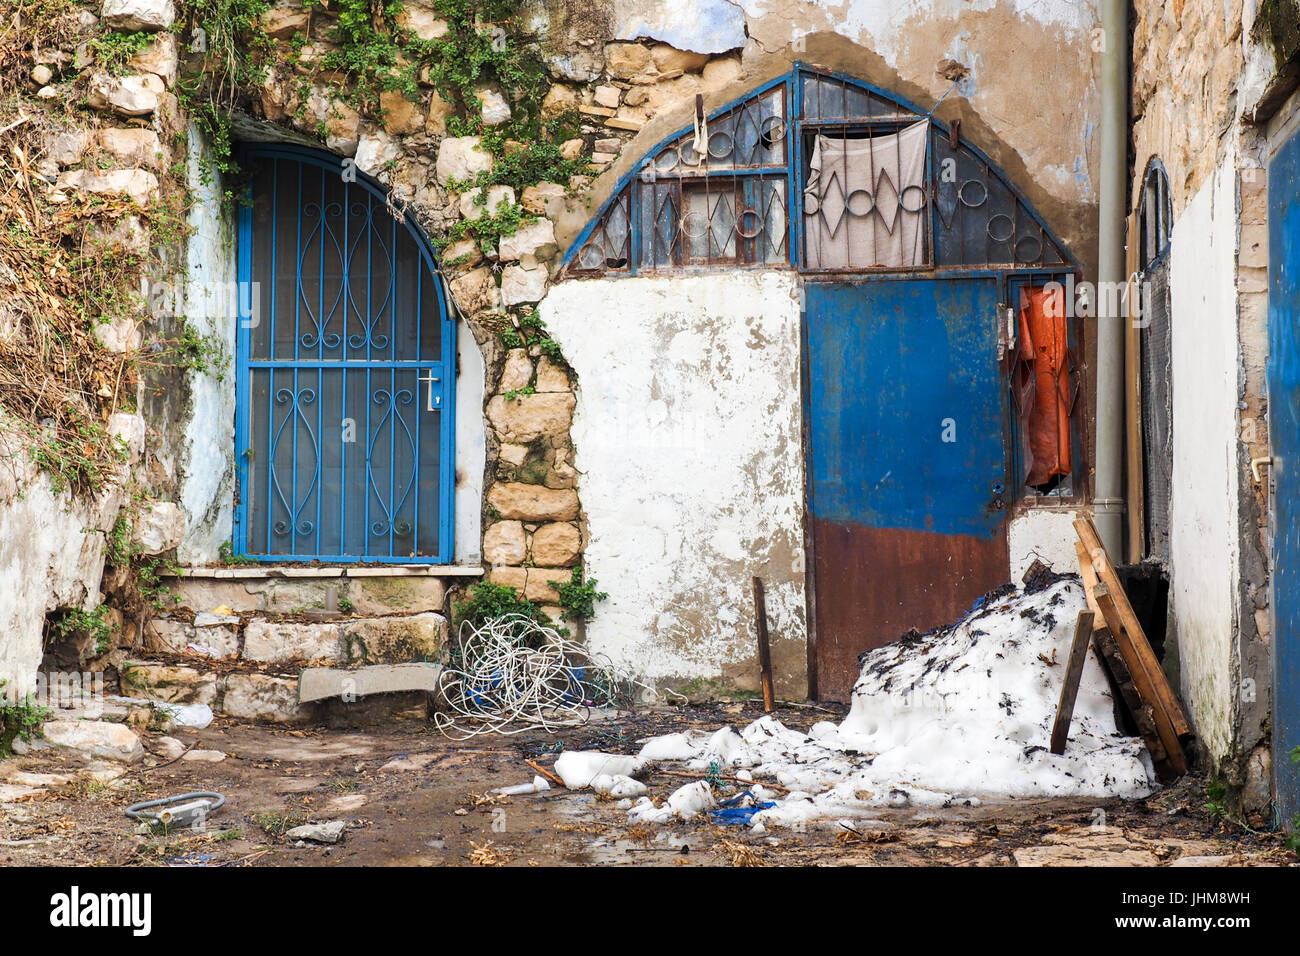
point(1044, 533)
point(471, 447)
point(687, 433)
point(1203, 538)
point(207, 464)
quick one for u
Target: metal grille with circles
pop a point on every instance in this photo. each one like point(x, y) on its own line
point(820, 171)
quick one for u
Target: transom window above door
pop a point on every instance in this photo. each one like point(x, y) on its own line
point(819, 171)
point(346, 371)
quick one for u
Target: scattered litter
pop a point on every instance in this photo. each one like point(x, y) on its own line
point(485, 854)
point(617, 785)
point(740, 809)
point(197, 716)
point(173, 813)
point(685, 803)
point(537, 786)
point(512, 674)
point(330, 832)
point(578, 768)
point(937, 720)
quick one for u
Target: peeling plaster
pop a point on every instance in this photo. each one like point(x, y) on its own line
point(701, 26)
point(687, 436)
point(1204, 545)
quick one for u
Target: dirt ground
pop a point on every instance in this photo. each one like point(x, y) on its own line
point(411, 797)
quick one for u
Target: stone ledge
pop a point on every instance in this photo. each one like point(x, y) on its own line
point(386, 571)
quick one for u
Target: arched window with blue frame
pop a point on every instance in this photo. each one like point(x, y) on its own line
point(345, 370)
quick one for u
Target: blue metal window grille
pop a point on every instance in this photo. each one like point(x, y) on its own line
point(741, 190)
point(345, 371)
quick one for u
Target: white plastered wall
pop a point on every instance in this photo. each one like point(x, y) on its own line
point(688, 442)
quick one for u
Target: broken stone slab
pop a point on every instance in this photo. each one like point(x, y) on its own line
point(330, 832)
point(96, 738)
point(168, 748)
point(321, 683)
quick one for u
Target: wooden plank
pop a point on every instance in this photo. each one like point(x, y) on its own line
point(1134, 482)
point(1089, 576)
point(1070, 689)
point(1108, 651)
point(1145, 658)
point(1142, 679)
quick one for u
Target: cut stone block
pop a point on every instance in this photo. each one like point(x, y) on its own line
point(321, 683)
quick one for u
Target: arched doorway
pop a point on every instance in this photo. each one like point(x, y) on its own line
point(345, 371)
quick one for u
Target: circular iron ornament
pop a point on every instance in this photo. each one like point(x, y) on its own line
point(999, 235)
point(687, 154)
point(771, 131)
point(811, 205)
point(684, 226)
point(914, 190)
point(379, 528)
point(718, 152)
point(973, 203)
point(306, 527)
point(591, 256)
point(1036, 246)
point(666, 161)
point(748, 232)
point(281, 528)
point(357, 209)
point(402, 528)
point(860, 202)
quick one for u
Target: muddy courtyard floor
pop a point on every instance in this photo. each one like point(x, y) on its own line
point(410, 797)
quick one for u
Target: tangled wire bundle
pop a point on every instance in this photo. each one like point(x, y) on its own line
point(512, 674)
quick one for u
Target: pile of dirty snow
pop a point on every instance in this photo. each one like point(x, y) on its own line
point(947, 718)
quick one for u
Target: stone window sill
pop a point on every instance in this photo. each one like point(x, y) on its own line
point(367, 571)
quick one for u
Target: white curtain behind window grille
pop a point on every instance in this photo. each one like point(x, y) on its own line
point(853, 216)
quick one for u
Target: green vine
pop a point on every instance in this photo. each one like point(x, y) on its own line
point(578, 597)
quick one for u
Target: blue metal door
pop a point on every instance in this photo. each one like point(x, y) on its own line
point(1284, 433)
point(907, 467)
point(345, 372)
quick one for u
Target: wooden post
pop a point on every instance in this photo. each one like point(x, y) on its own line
point(764, 649)
point(1070, 689)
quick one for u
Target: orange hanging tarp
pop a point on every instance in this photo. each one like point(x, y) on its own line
point(1044, 373)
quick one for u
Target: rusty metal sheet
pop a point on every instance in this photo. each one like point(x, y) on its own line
point(873, 584)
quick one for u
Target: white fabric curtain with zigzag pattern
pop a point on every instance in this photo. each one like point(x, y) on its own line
point(864, 205)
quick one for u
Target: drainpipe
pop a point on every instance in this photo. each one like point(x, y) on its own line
point(1108, 486)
